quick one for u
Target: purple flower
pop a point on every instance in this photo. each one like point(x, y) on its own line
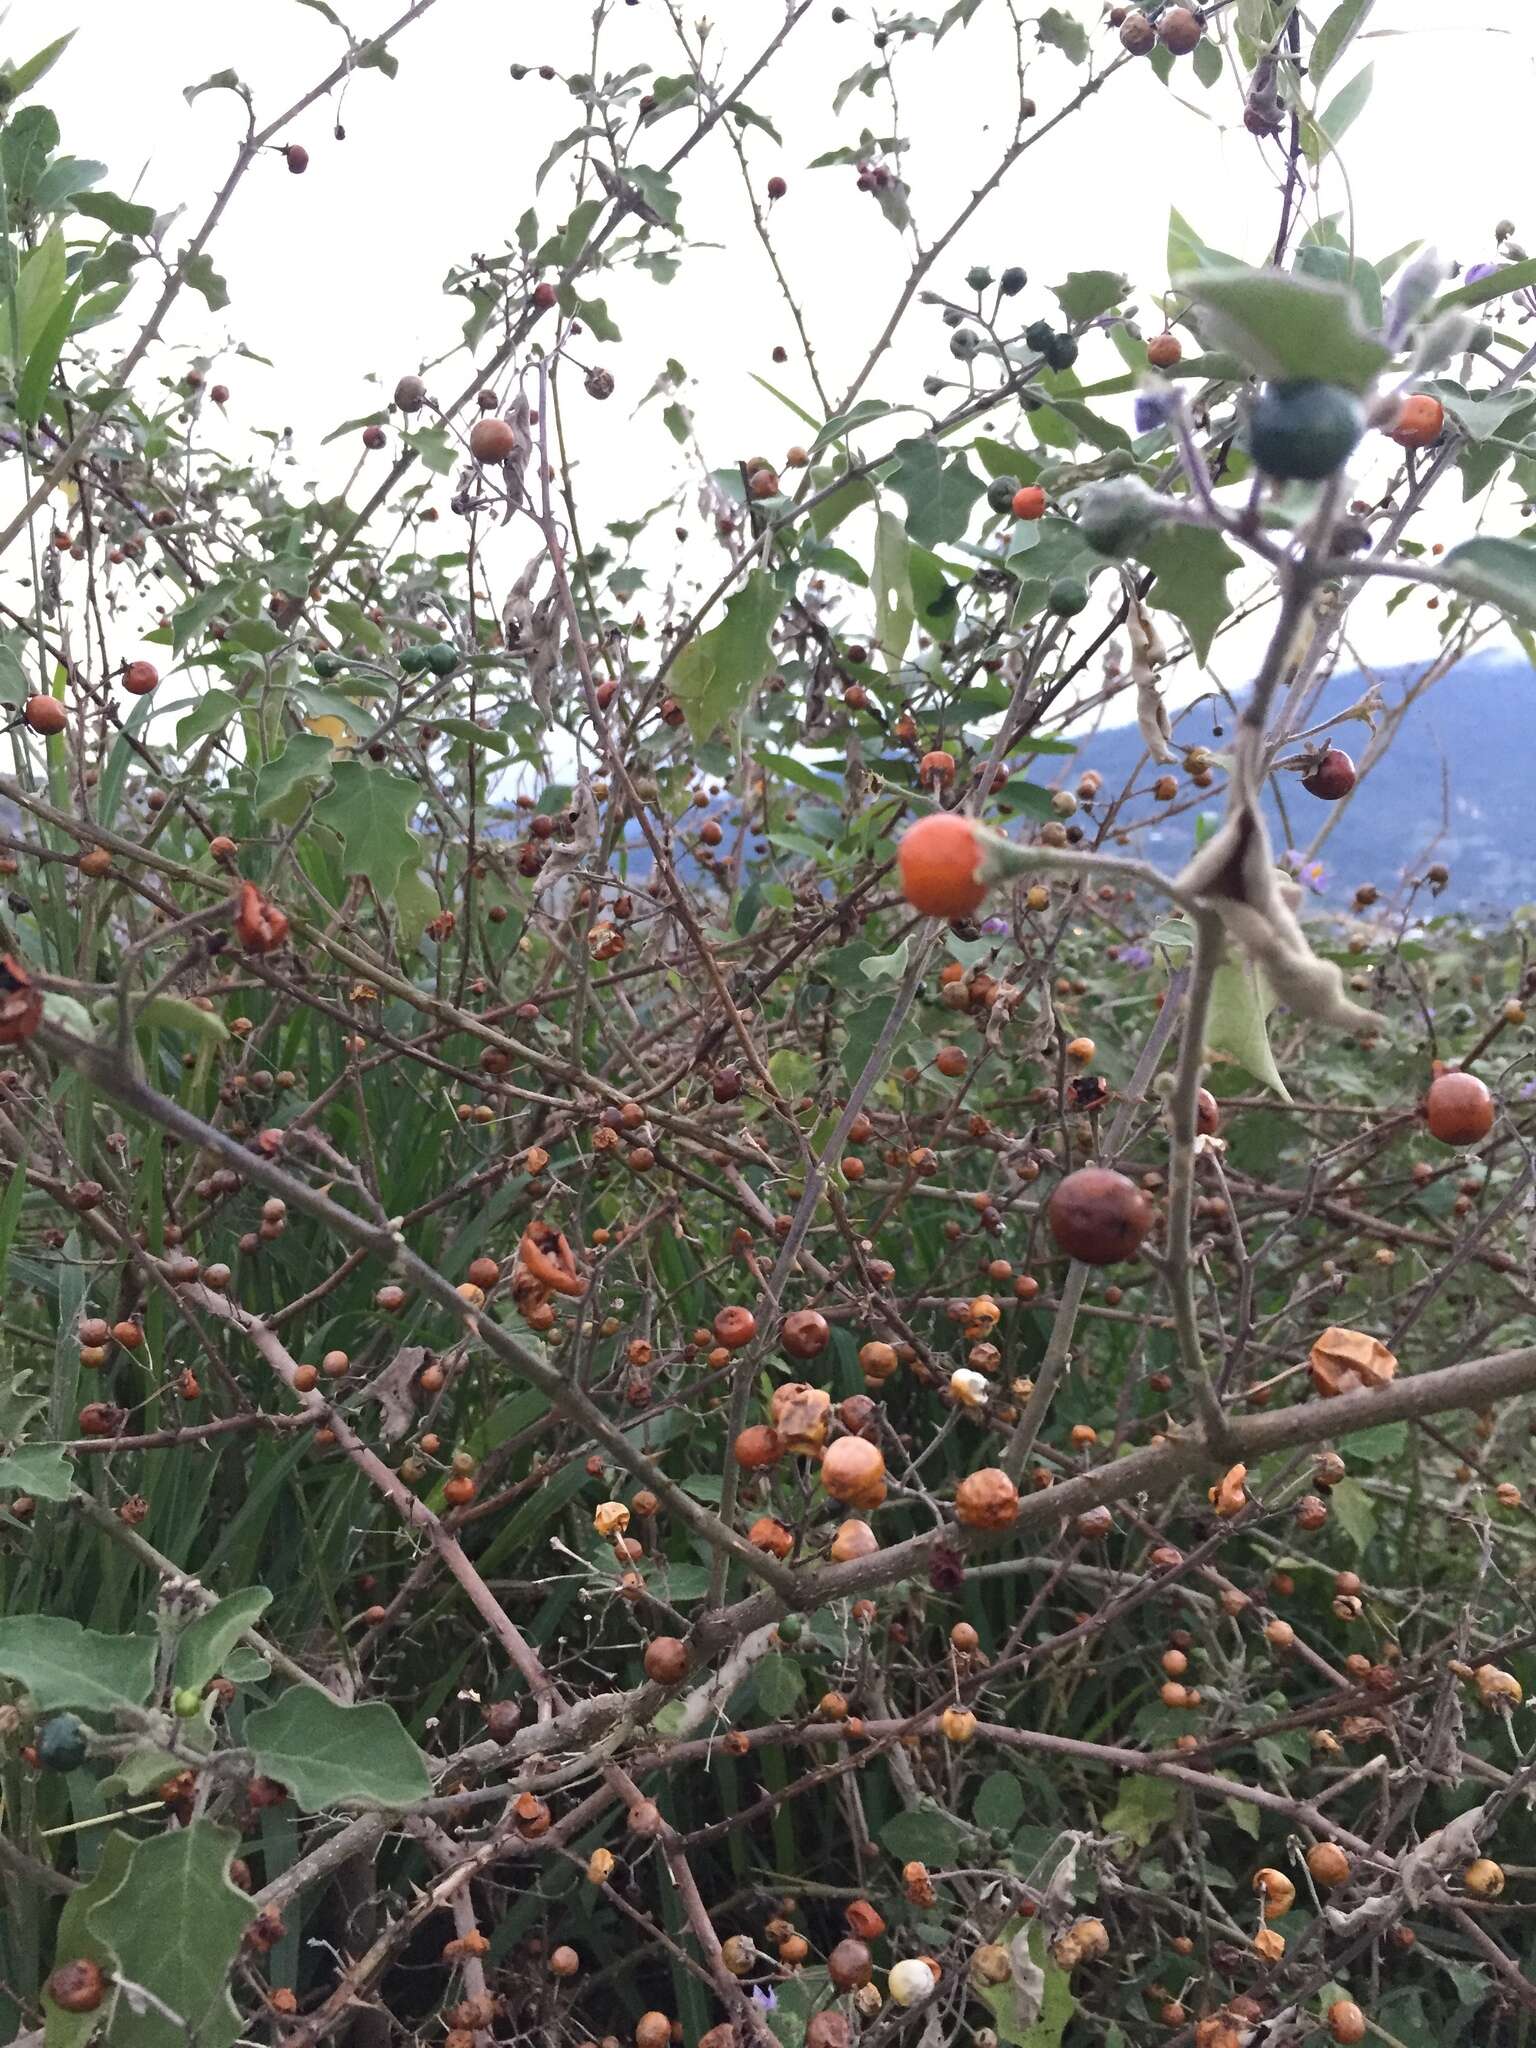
point(764, 1996)
point(1312, 875)
point(994, 927)
point(1151, 411)
point(1134, 956)
point(1476, 272)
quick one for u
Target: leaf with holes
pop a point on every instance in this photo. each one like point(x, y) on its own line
point(714, 675)
point(895, 611)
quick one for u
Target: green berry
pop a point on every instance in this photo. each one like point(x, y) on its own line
point(187, 1702)
point(61, 1743)
point(791, 1628)
point(1112, 517)
point(413, 659)
point(442, 658)
point(1000, 492)
point(1061, 353)
point(329, 664)
point(1305, 430)
point(1012, 281)
point(978, 278)
point(1067, 596)
point(1039, 335)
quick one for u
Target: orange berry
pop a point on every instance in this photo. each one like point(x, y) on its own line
point(939, 859)
point(1028, 502)
point(1420, 422)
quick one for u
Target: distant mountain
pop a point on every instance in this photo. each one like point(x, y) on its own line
point(1457, 785)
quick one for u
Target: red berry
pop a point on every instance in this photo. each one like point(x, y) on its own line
point(1332, 777)
point(296, 156)
point(1458, 1109)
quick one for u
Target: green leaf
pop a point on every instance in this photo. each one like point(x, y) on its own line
point(1000, 1801)
point(677, 420)
point(41, 363)
point(371, 809)
point(303, 762)
point(1057, 2004)
point(939, 495)
point(1088, 293)
point(1237, 1026)
point(171, 1013)
point(435, 449)
point(784, 398)
point(62, 1664)
point(25, 147)
point(22, 77)
point(1286, 327)
point(379, 57)
point(1335, 36)
point(1492, 571)
point(1246, 1815)
point(212, 712)
point(1344, 110)
point(187, 624)
point(923, 1835)
point(1063, 33)
point(1187, 252)
point(1350, 272)
point(1357, 1518)
point(219, 81)
point(562, 252)
point(595, 314)
point(1510, 277)
point(1378, 1446)
point(842, 423)
point(895, 611)
point(714, 675)
point(1192, 566)
point(63, 180)
point(472, 735)
point(174, 1926)
point(1142, 1807)
point(1207, 61)
point(259, 635)
point(416, 904)
point(328, 1754)
point(779, 1686)
point(39, 290)
point(656, 189)
point(198, 271)
point(1482, 413)
point(749, 117)
point(205, 1642)
point(75, 1939)
point(39, 1469)
point(836, 506)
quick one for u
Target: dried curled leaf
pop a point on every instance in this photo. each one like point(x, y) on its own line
point(1147, 656)
point(1229, 1496)
point(1234, 874)
point(544, 1256)
point(1348, 1362)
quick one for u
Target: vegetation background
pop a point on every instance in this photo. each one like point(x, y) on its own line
point(720, 1323)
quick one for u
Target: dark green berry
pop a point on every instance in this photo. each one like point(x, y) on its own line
point(1000, 492)
point(1067, 596)
point(1012, 281)
point(442, 658)
point(964, 343)
point(1039, 335)
point(413, 659)
point(61, 1743)
point(978, 277)
point(329, 664)
point(1304, 431)
point(1061, 353)
point(1112, 517)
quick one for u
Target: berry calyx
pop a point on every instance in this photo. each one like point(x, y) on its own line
point(1331, 777)
point(940, 861)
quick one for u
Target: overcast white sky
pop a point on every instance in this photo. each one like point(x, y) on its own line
point(336, 276)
